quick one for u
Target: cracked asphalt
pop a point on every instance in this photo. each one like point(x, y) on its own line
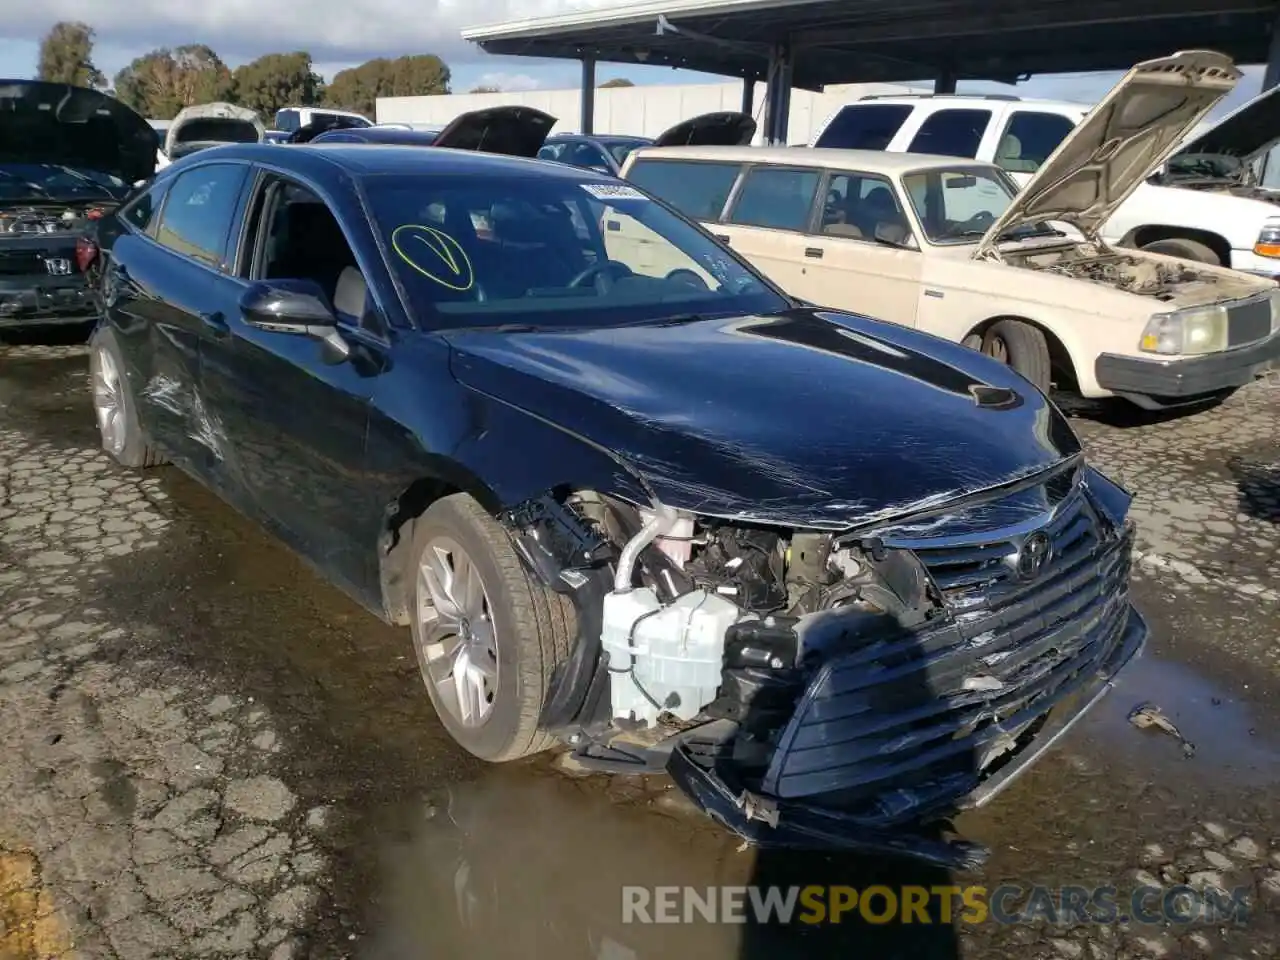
point(206, 751)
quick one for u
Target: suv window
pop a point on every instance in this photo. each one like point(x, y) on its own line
point(951, 133)
point(867, 126)
point(197, 215)
point(288, 120)
point(698, 190)
point(777, 198)
point(1029, 138)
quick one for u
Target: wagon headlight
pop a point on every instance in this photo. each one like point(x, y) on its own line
point(1193, 331)
point(1268, 242)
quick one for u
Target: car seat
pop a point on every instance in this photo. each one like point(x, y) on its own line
point(1010, 157)
point(315, 247)
point(878, 215)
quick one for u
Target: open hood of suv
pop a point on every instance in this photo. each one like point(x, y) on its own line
point(1246, 132)
point(516, 131)
point(60, 123)
point(207, 124)
point(726, 129)
point(1121, 140)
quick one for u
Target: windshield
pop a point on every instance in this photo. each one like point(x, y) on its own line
point(959, 205)
point(52, 181)
point(553, 251)
point(1212, 166)
point(621, 149)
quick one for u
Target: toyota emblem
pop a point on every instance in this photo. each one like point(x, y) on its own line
point(1036, 552)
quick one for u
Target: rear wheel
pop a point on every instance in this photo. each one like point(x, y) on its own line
point(114, 407)
point(1185, 249)
point(487, 635)
point(1021, 346)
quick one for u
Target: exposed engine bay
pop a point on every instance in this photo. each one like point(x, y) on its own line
point(1180, 282)
point(808, 686)
point(28, 220)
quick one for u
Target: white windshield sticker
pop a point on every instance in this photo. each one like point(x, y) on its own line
point(613, 191)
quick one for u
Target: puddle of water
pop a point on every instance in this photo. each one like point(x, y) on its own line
point(1233, 744)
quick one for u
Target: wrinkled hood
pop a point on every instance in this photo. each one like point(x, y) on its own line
point(209, 123)
point(1117, 145)
point(728, 129)
point(516, 131)
point(807, 418)
point(60, 123)
point(1246, 132)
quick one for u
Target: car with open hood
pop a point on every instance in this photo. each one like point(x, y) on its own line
point(1204, 205)
point(206, 125)
point(836, 576)
point(513, 130)
point(606, 153)
point(68, 155)
point(952, 247)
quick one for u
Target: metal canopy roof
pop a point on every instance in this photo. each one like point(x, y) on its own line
point(844, 41)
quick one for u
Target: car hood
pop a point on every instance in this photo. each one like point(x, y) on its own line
point(807, 418)
point(517, 131)
point(1121, 140)
point(209, 123)
point(1248, 131)
point(728, 129)
point(60, 123)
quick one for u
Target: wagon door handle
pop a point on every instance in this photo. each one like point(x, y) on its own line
point(815, 252)
point(722, 237)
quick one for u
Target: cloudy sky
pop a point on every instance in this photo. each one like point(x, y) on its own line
point(341, 33)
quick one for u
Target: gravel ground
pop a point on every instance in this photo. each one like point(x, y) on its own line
point(205, 751)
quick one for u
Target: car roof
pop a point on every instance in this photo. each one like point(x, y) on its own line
point(384, 135)
point(602, 137)
point(374, 159)
point(951, 100)
point(872, 161)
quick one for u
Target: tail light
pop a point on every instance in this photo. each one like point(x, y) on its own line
point(96, 213)
point(86, 253)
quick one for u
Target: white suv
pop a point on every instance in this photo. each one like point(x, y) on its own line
point(1203, 205)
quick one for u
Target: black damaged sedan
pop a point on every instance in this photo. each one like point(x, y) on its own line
point(68, 156)
point(840, 579)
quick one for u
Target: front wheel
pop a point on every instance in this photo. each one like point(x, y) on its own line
point(1185, 249)
point(487, 635)
point(1020, 346)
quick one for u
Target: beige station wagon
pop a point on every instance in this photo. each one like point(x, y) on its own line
point(949, 246)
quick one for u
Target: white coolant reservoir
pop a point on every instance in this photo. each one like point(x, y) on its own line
point(674, 654)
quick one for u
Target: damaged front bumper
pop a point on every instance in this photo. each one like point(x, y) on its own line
point(787, 820)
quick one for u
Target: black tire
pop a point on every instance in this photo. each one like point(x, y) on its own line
point(1022, 347)
point(1185, 249)
point(533, 626)
point(138, 450)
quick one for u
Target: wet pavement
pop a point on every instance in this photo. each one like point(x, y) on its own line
point(206, 751)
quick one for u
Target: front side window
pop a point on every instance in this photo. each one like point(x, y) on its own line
point(959, 205)
point(865, 126)
point(197, 215)
point(698, 190)
point(1029, 139)
point(553, 252)
point(778, 198)
point(864, 207)
point(951, 133)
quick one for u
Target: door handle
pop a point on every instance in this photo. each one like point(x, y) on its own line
point(216, 322)
point(722, 237)
point(815, 252)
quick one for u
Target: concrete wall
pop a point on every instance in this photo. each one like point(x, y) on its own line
point(644, 110)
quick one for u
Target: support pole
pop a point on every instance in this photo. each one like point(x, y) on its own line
point(945, 82)
point(778, 96)
point(1269, 164)
point(588, 120)
point(748, 94)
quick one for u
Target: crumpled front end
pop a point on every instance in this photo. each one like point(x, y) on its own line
point(853, 689)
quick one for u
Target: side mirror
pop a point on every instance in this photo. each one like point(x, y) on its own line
point(297, 307)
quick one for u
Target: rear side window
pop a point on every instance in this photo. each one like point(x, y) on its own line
point(782, 199)
point(141, 211)
point(698, 190)
point(1029, 139)
point(867, 126)
point(197, 216)
point(951, 133)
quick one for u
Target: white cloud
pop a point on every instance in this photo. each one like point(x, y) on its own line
point(333, 31)
point(509, 82)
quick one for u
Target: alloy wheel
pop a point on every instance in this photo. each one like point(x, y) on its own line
point(108, 401)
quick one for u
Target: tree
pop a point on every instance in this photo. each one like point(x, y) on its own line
point(485, 89)
point(358, 88)
point(66, 56)
point(616, 82)
point(278, 80)
point(162, 82)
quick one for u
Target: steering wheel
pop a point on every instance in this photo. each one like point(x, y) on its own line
point(979, 221)
point(685, 275)
point(603, 269)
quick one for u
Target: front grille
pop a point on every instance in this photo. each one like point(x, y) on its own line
point(910, 723)
point(20, 264)
point(1248, 322)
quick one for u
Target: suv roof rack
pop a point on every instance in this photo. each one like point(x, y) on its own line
point(939, 96)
